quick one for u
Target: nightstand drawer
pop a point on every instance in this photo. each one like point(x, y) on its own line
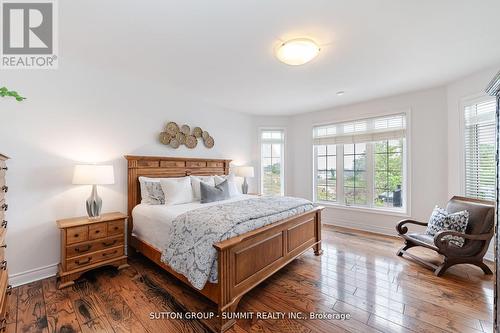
point(77, 234)
point(97, 245)
point(116, 227)
point(97, 231)
point(92, 258)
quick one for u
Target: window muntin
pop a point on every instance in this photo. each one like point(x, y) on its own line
point(272, 148)
point(479, 149)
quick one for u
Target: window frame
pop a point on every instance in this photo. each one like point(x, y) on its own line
point(283, 157)
point(403, 211)
point(465, 102)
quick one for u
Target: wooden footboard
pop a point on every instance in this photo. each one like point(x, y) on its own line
point(247, 260)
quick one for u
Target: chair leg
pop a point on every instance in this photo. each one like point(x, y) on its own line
point(404, 248)
point(484, 267)
point(442, 268)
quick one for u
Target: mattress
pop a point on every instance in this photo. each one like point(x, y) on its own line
point(152, 223)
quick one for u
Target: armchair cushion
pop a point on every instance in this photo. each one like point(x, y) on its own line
point(441, 220)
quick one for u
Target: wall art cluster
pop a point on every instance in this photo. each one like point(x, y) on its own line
point(175, 135)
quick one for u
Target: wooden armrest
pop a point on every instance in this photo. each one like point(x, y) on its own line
point(402, 229)
point(442, 244)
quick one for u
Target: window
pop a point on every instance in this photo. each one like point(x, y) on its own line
point(355, 185)
point(388, 167)
point(272, 166)
point(479, 152)
point(326, 177)
point(362, 163)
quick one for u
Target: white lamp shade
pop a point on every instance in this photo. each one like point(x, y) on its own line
point(244, 171)
point(93, 175)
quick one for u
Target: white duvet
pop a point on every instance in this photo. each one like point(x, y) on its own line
point(152, 223)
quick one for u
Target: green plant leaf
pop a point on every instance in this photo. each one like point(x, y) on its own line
point(4, 92)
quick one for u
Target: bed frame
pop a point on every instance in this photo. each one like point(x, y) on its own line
point(243, 261)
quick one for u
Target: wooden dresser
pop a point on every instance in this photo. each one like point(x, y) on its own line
point(87, 244)
point(5, 288)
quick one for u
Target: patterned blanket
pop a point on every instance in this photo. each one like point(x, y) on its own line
point(190, 250)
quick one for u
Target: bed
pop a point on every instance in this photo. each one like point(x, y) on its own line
point(243, 261)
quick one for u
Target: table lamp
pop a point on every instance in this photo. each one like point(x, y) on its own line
point(93, 175)
point(244, 171)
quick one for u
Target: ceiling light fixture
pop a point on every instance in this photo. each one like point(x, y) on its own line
point(297, 51)
point(340, 93)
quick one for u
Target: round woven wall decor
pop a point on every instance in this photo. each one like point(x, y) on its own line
point(185, 129)
point(191, 141)
point(174, 143)
point(197, 132)
point(172, 128)
point(181, 138)
point(165, 138)
point(209, 142)
point(205, 135)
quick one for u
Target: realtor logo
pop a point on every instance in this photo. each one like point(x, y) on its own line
point(29, 34)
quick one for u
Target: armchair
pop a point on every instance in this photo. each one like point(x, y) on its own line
point(480, 230)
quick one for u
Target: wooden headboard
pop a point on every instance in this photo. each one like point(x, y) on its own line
point(165, 167)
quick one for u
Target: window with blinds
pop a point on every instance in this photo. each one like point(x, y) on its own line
point(362, 163)
point(479, 150)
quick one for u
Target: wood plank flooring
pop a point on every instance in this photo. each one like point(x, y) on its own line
point(358, 274)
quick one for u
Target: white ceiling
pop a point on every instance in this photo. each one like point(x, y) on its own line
point(221, 51)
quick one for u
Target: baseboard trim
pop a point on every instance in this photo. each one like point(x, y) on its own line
point(31, 275)
point(359, 226)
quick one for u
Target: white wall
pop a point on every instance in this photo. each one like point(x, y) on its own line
point(428, 151)
point(471, 86)
point(88, 114)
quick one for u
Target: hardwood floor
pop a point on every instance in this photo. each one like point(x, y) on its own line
point(358, 274)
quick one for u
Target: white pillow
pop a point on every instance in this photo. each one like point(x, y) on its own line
point(177, 190)
point(195, 184)
point(151, 191)
point(231, 182)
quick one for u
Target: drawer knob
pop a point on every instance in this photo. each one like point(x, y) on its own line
point(110, 243)
point(78, 262)
point(83, 249)
point(4, 168)
point(116, 228)
point(4, 224)
point(4, 207)
point(4, 246)
point(3, 265)
point(97, 231)
point(76, 235)
point(5, 189)
point(8, 291)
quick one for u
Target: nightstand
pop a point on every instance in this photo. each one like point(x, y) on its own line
point(88, 244)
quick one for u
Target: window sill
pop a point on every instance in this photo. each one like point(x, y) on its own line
point(399, 213)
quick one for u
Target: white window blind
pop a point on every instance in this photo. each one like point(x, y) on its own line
point(480, 132)
point(361, 131)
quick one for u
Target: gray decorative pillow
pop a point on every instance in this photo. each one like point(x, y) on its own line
point(154, 193)
point(214, 193)
point(441, 220)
